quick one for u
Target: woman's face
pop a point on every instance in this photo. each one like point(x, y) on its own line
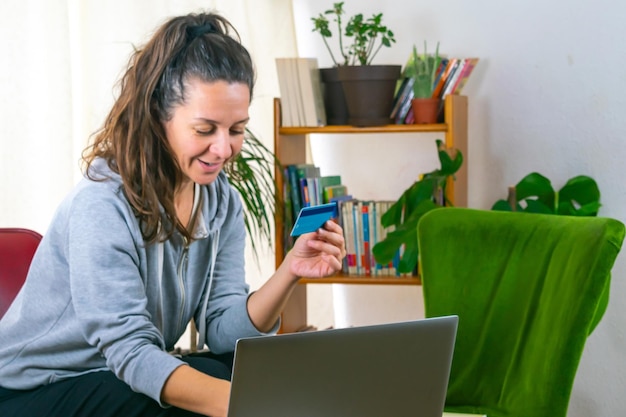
point(208, 128)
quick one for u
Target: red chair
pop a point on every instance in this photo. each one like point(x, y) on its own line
point(17, 247)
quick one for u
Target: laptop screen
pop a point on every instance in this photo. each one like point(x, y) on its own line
point(396, 369)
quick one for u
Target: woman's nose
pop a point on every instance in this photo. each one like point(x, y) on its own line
point(220, 146)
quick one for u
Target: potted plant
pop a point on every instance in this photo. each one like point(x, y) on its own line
point(580, 196)
point(422, 196)
point(368, 89)
point(422, 68)
point(251, 174)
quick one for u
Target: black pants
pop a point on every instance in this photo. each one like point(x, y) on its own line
point(101, 394)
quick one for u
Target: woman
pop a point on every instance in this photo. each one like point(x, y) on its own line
point(151, 238)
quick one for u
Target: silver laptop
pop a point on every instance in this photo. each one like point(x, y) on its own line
point(396, 370)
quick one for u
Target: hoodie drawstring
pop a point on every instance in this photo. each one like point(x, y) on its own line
point(205, 302)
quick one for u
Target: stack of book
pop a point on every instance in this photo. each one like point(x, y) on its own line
point(362, 230)
point(451, 77)
point(302, 102)
point(304, 186)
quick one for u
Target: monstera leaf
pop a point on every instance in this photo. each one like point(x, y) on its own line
point(422, 196)
point(580, 196)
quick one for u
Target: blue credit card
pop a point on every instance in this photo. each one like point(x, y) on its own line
point(312, 218)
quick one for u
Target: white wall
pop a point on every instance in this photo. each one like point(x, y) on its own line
point(547, 96)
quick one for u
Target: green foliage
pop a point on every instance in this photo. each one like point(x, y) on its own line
point(423, 69)
point(367, 35)
point(251, 173)
point(580, 196)
point(422, 196)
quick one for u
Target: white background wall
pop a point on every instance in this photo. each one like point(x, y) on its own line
point(547, 96)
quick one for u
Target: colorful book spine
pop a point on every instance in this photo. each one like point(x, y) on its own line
point(294, 189)
point(445, 77)
point(373, 234)
point(467, 71)
point(288, 210)
point(404, 95)
point(357, 235)
point(349, 235)
point(304, 192)
point(366, 260)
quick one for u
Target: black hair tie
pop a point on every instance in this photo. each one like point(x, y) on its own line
point(196, 31)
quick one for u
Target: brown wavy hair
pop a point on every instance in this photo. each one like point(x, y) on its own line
point(132, 141)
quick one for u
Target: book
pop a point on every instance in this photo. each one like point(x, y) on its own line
point(404, 94)
point(305, 174)
point(451, 80)
point(334, 191)
point(327, 181)
point(295, 86)
point(445, 76)
point(410, 117)
point(341, 198)
point(357, 235)
point(404, 109)
point(467, 71)
point(294, 190)
point(288, 209)
point(442, 68)
point(366, 260)
point(347, 221)
point(452, 77)
point(311, 92)
point(286, 99)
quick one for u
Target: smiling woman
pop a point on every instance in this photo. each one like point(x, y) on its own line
point(172, 249)
point(204, 133)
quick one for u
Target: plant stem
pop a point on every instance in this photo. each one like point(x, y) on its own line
point(339, 30)
point(330, 51)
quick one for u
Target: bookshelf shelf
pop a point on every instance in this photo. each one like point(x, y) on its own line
point(440, 127)
point(362, 280)
point(290, 147)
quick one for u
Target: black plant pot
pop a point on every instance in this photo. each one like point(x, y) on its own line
point(369, 92)
point(334, 100)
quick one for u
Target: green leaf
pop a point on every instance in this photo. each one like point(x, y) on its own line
point(408, 261)
point(538, 186)
point(536, 206)
point(251, 174)
point(404, 214)
point(393, 215)
point(450, 165)
point(405, 234)
point(385, 250)
point(579, 192)
point(501, 205)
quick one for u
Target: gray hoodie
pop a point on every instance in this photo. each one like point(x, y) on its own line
point(97, 298)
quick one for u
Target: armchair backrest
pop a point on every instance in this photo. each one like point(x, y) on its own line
point(17, 247)
point(528, 290)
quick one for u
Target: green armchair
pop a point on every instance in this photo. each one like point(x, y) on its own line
point(528, 290)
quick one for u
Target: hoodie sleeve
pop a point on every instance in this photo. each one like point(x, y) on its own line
point(227, 313)
point(104, 251)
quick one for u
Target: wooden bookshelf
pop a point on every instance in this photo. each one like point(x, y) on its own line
point(290, 148)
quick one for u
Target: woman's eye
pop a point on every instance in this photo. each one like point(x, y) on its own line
point(237, 132)
point(204, 132)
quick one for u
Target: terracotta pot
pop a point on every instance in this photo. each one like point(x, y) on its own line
point(425, 110)
point(369, 91)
